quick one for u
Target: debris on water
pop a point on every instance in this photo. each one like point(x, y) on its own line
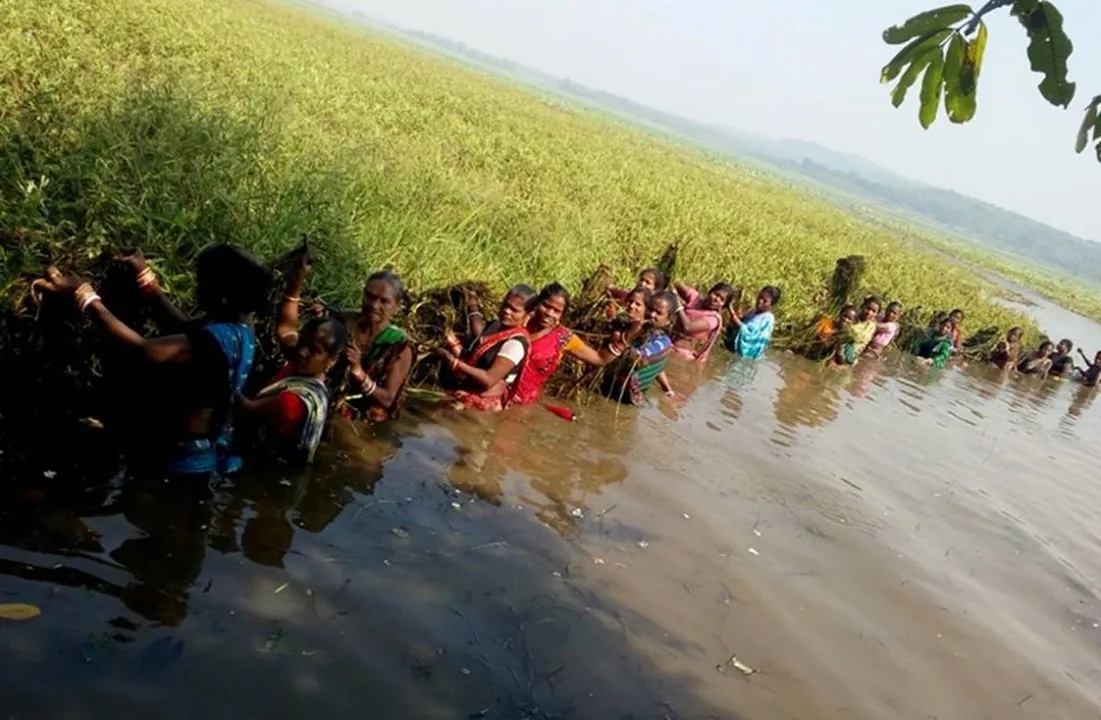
point(687, 516)
point(19, 611)
point(738, 665)
point(556, 574)
point(92, 423)
point(309, 592)
point(400, 532)
point(282, 587)
point(161, 653)
point(285, 482)
point(619, 564)
point(753, 551)
point(464, 671)
point(643, 544)
point(387, 563)
point(577, 513)
point(456, 506)
point(273, 641)
point(598, 561)
point(757, 532)
point(49, 474)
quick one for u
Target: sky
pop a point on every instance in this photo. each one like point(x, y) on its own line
point(805, 69)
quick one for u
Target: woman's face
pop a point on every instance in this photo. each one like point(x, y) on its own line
point(764, 302)
point(893, 313)
point(313, 356)
point(636, 307)
point(549, 311)
point(955, 318)
point(658, 313)
point(513, 312)
point(871, 311)
point(945, 328)
point(1014, 335)
point(1045, 350)
point(380, 302)
point(848, 318)
point(648, 281)
point(717, 299)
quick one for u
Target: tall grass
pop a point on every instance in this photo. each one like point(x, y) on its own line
point(171, 124)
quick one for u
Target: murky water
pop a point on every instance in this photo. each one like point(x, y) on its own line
point(886, 543)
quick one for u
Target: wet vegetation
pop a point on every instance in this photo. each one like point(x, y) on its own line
point(148, 125)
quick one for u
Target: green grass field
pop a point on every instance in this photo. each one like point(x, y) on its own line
point(171, 124)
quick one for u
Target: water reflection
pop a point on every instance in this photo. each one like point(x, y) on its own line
point(761, 435)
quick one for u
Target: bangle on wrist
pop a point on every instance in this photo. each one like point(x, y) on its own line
point(84, 296)
point(368, 385)
point(291, 298)
point(147, 281)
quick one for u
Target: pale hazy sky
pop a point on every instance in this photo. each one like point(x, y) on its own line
point(806, 69)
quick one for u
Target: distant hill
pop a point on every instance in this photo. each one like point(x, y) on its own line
point(937, 208)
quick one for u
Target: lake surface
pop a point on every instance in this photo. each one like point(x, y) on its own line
point(890, 542)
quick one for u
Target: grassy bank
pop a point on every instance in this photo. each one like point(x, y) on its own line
point(168, 125)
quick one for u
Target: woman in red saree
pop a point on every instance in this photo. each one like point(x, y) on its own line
point(483, 375)
point(550, 341)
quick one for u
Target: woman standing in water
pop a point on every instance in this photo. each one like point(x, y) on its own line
point(750, 336)
point(1039, 362)
point(549, 342)
point(934, 345)
point(379, 354)
point(699, 319)
point(205, 365)
point(642, 360)
point(1007, 351)
point(483, 375)
point(886, 330)
point(295, 405)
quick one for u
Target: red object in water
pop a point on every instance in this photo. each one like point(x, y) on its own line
point(563, 412)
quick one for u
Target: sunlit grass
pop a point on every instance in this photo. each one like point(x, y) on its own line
point(170, 124)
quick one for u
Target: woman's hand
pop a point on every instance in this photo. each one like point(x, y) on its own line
point(56, 282)
point(354, 357)
point(135, 260)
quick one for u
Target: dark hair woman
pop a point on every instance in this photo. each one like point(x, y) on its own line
point(483, 375)
point(549, 342)
point(209, 358)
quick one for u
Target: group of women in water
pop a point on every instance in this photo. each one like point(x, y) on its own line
point(358, 363)
point(866, 331)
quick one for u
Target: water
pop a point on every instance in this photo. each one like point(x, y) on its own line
point(888, 542)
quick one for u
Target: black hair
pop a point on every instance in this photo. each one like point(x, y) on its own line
point(845, 310)
point(555, 289)
point(1046, 344)
point(665, 296)
point(1068, 343)
point(659, 277)
point(894, 305)
point(524, 292)
point(869, 300)
point(1015, 329)
point(646, 294)
point(338, 337)
point(954, 312)
point(229, 280)
point(390, 278)
point(773, 292)
point(723, 287)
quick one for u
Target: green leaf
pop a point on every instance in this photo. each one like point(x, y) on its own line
point(924, 23)
point(1048, 48)
point(931, 86)
point(1090, 123)
point(911, 52)
point(959, 81)
point(898, 95)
